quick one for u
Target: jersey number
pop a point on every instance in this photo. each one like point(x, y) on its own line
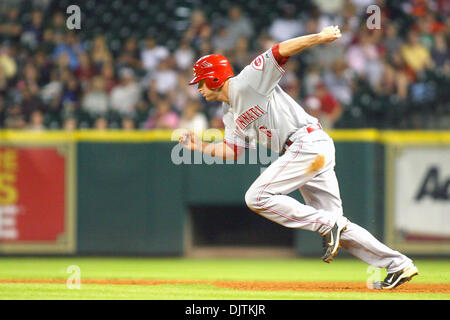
point(266, 131)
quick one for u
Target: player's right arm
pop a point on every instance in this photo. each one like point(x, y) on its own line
point(221, 150)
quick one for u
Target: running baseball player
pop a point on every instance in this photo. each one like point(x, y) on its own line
point(256, 109)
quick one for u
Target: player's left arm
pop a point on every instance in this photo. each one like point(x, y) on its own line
point(292, 46)
point(266, 70)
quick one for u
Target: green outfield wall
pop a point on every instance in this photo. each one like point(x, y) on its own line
point(130, 198)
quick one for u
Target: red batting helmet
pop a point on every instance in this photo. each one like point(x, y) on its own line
point(215, 69)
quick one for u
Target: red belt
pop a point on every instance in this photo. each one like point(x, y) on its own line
point(309, 129)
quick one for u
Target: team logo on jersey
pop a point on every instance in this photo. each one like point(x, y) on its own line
point(248, 116)
point(258, 63)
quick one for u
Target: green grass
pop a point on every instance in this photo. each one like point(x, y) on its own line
point(199, 269)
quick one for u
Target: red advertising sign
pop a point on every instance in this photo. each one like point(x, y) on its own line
point(33, 191)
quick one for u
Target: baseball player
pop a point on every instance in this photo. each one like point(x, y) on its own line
point(256, 109)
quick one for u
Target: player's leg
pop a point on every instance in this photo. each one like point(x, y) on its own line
point(268, 194)
point(363, 245)
point(322, 192)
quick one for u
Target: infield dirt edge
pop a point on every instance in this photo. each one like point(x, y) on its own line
point(313, 286)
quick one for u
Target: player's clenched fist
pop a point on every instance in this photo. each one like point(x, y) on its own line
point(331, 33)
point(190, 141)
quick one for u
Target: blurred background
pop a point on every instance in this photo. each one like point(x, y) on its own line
point(111, 188)
point(128, 65)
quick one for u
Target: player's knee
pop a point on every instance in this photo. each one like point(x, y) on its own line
point(251, 199)
point(255, 197)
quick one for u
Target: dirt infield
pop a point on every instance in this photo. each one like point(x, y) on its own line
point(260, 285)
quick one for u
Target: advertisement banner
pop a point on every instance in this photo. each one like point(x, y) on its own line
point(36, 199)
point(418, 188)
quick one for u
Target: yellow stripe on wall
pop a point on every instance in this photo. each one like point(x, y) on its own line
point(357, 135)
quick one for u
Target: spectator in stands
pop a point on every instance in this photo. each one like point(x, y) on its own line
point(312, 79)
point(7, 62)
point(329, 8)
point(192, 118)
point(85, 70)
point(312, 106)
point(126, 95)
point(328, 13)
point(205, 49)
point(294, 89)
point(70, 47)
point(163, 117)
point(199, 30)
point(58, 24)
point(30, 102)
point(222, 41)
point(361, 5)
point(330, 109)
point(152, 54)
point(2, 111)
point(391, 41)
point(95, 101)
point(70, 124)
point(363, 58)
point(52, 89)
point(238, 25)
point(47, 44)
point(395, 80)
point(71, 95)
point(15, 118)
point(287, 26)
point(109, 76)
point(100, 53)
point(3, 83)
point(339, 81)
point(31, 34)
point(101, 124)
point(129, 56)
point(164, 80)
point(142, 114)
point(416, 56)
point(10, 27)
point(290, 77)
point(30, 77)
point(182, 93)
point(184, 56)
point(128, 124)
point(440, 53)
point(241, 56)
point(36, 121)
point(45, 66)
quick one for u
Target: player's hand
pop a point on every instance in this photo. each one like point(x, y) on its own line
point(190, 141)
point(331, 33)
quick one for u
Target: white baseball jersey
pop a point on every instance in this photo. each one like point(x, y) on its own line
point(259, 110)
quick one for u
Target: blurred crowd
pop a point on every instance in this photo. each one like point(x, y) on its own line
point(55, 78)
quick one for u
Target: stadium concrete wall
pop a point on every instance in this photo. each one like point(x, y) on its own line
point(129, 197)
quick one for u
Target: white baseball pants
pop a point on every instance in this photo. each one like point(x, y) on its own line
point(308, 165)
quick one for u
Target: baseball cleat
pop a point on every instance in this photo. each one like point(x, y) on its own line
point(330, 241)
point(395, 279)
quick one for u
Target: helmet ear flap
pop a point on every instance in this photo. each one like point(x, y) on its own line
point(213, 83)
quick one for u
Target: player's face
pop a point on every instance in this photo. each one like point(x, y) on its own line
point(208, 94)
